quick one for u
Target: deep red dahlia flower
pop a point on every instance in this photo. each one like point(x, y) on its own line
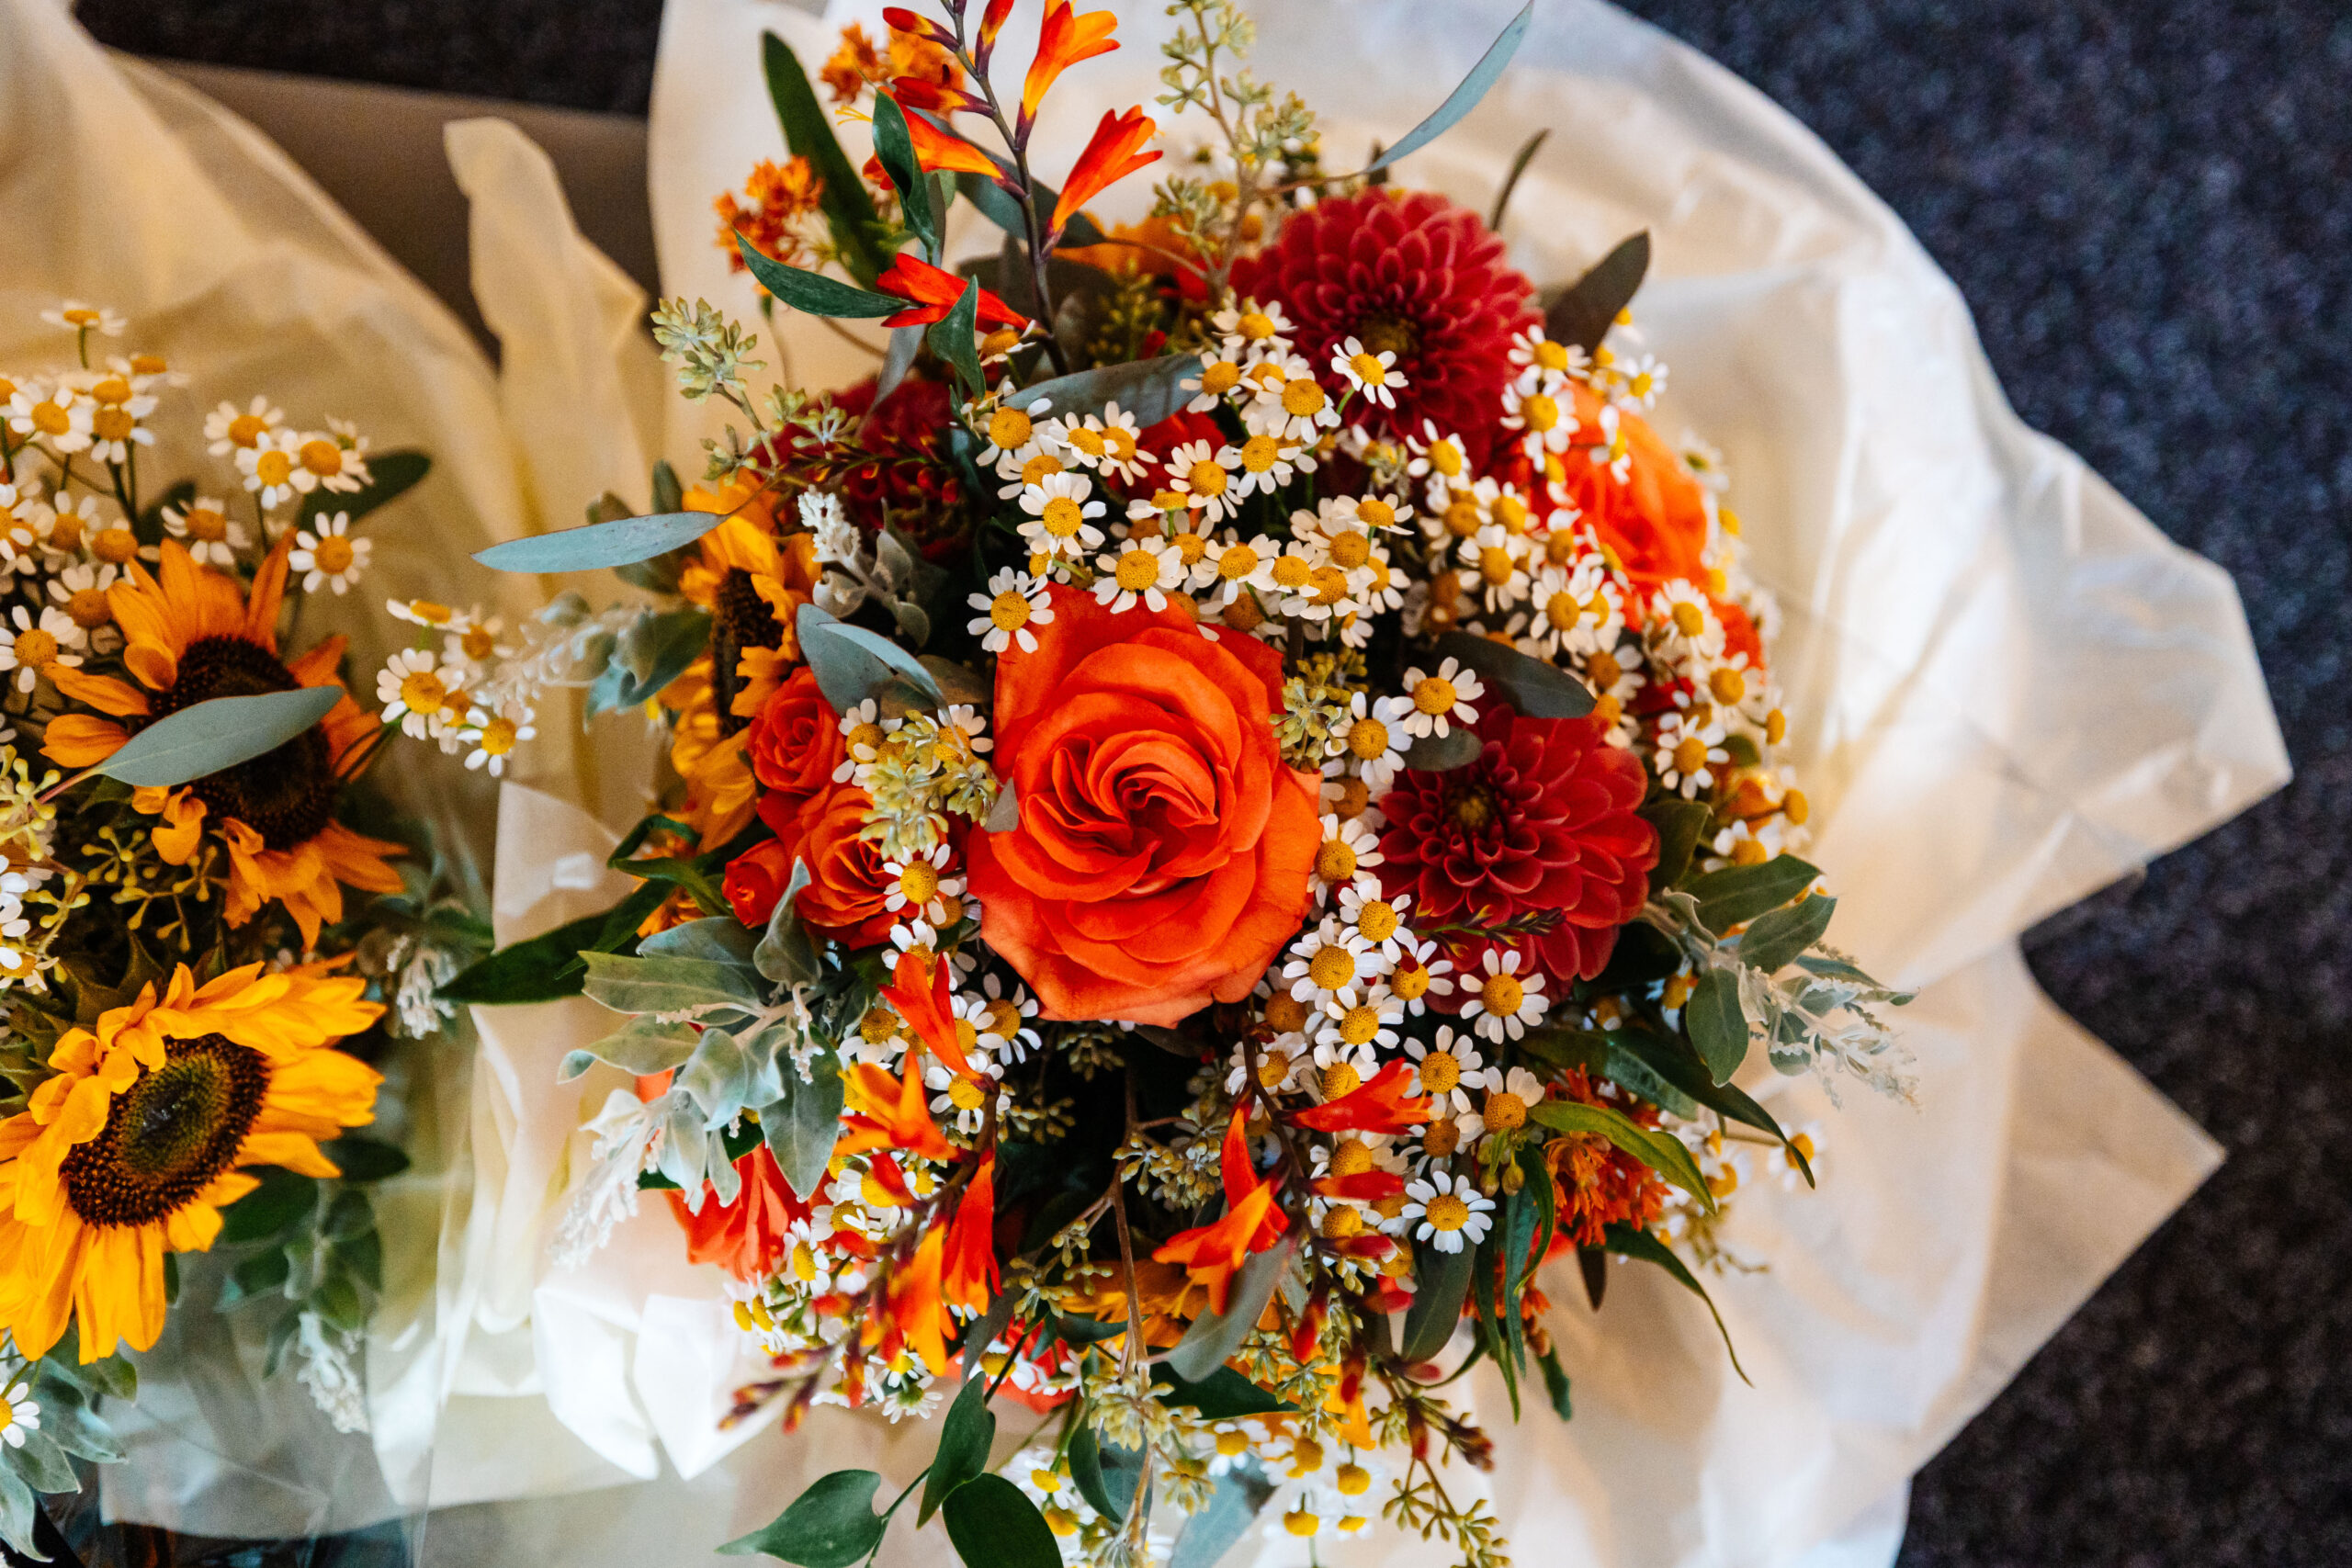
point(1542, 825)
point(1413, 273)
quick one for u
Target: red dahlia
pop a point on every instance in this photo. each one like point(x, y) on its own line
point(1415, 274)
point(1542, 825)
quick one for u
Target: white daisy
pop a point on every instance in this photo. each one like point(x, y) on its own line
point(1331, 963)
point(1432, 705)
point(1420, 973)
point(1503, 1001)
point(1204, 476)
point(1507, 1098)
point(1007, 1032)
point(1212, 383)
point(1146, 568)
point(1364, 1027)
point(863, 731)
point(1447, 1069)
point(270, 463)
point(491, 734)
point(1014, 435)
point(418, 694)
point(1374, 375)
point(204, 524)
point(1250, 331)
point(57, 417)
point(76, 317)
point(923, 885)
point(1015, 602)
point(18, 1416)
point(328, 556)
point(35, 645)
point(1346, 857)
point(1547, 421)
point(1450, 1209)
point(1690, 756)
point(1059, 509)
point(1292, 406)
point(231, 429)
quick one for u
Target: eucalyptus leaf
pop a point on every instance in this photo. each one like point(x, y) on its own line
point(1086, 1470)
point(628, 983)
point(852, 664)
point(1457, 748)
point(1213, 1337)
point(831, 1525)
point(597, 545)
point(1151, 389)
point(1532, 686)
point(786, 955)
point(1208, 1535)
point(211, 737)
point(1586, 309)
point(1662, 1152)
point(1465, 97)
point(1717, 1025)
point(1772, 940)
point(1680, 824)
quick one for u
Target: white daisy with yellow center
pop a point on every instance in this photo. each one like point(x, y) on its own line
point(1499, 1002)
point(864, 730)
point(1360, 1029)
point(925, 885)
point(1446, 1070)
point(472, 641)
point(1218, 379)
point(1681, 624)
point(1367, 746)
point(31, 646)
point(327, 554)
point(1540, 362)
point(1688, 754)
point(426, 701)
point(1421, 971)
point(1009, 1009)
point(1346, 857)
point(1447, 1210)
point(491, 734)
point(1203, 474)
point(1374, 375)
point(231, 429)
point(1331, 963)
point(1014, 434)
point(81, 591)
point(1288, 402)
point(55, 416)
point(1505, 1099)
point(1440, 461)
point(1061, 510)
point(1248, 331)
point(1013, 606)
point(204, 526)
point(1434, 701)
point(1142, 570)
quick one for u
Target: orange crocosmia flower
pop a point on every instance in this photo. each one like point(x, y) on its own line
point(1379, 1105)
point(917, 1311)
point(1363, 1186)
point(935, 292)
point(1063, 40)
point(884, 1112)
point(993, 22)
point(1211, 1254)
point(938, 149)
point(971, 1275)
point(919, 989)
point(1110, 157)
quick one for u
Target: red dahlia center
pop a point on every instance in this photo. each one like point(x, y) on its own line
point(1383, 333)
point(1471, 810)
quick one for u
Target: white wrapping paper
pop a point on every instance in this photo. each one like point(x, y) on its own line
point(2008, 688)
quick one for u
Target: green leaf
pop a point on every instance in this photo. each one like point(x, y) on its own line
point(1532, 686)
point(1151, 389)
point(282, 1200)
point(1662, 1152)
point(905, 342)
point(787, 953)
point(652, 651)
point(993, 1525)
point(1443, 1279)
point(1465, 97)
point(79, 1430)
point(803, 1126)
point(643, 1046)
point(1457, 748)
point(1737, 893)
point(717, 939)
point(365, 1159)
point(1086, 1469)
point(1520, 159)
point(689, 872)
point(213, 736)
point(808, 134)
point(1000, 208)
point(1208, 1535)
point(964, 1440)
point(852, 664)
point(1490, 1325)
point(1772, 940)
point(1631, 1242)
point(1210, 1339)
point(831, 1525)
point(813, 291)
point(1681, 824)
point(597, 546)
point(896, 150)
point(17, 1509)
point(1717, 1026)
point(1583, 313)
point(668, 494)
point(1220, 1397)
point(1674, 1061)
point(665, 985)
point(1084, 1331)
point(1556, 1384)
point(548, 966)
point(264, 1273)
point(951, 338)
point(390, 475)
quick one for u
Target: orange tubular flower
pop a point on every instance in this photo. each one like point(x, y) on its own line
point(884, 1112)
point(1110, 156)
point(992, 23)
point(918, 1311)
point(1379, 1105)
point(935, 292)
point(1363, 1186)
point(1211, 1255)
point(971, 1277)
point(919, 989)
point(938, 149)
point(1063, 40)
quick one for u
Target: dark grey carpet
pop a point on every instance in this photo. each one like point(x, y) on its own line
point(2147, 205)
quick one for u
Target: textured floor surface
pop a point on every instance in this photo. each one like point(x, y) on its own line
point(2150, 208)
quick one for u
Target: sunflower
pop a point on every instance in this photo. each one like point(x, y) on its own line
point(133, 1148)
point(754, 585)
point(194, 634)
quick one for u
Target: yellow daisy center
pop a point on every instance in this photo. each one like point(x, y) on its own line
point(324, 458)
point(1605, 669)
point(1009, 612)
point(1728, 684)
point(1552, 355)
point(274, 467)
point(1563, 610)
point(1220, 377)
point(1367, 738)
point(804, 1261)
point(1440, 1139)
point(88, 608)
point(1010, 429)
point(247, 429)
point(1540, 412)
point(1689, 619)
point(1690, 755)
point(81, 316)
point(1304, 398)
point(1359, 1024)
point(1273, 1070)
point(1435, 695)
point(1062, 517)
point(114, 545)
point(1292, 571)
point(51, 420)
point(1137, 570)
point(1236, 562)
point(867, 737)
point(1233, 1445)
point(333, 554)
point(1440, 1072)
point(1505, 1111)
point(1041, 467)
point(919, 881)
point(498, 736)
point(478, 643)
point(1351, 548)
point(1087, 441)
point(112, 424)
point(35, 648)
point(965, 1095)
point(1206, 477)
point(424, 692)
point(1502, 994)
point(1331, 967)
point(206, 524)
point(1285, 1014)
point(1341, 1222)
point(1259, 453)
point(1338, 1079)
point(1369, 370)
point(1354, 1478)
point(1335, 862)
point(1462, 518)
point(1446, 458)
point(1330, 585)
point(1496, 566)
point(1255, 325)
point(1352, 1156)
point(1448, 1212)
point(425, 610)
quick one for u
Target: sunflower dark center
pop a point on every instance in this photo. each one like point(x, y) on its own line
point(1382, 332)
point(169, 1134)
point(286, 795)
point(739, 619)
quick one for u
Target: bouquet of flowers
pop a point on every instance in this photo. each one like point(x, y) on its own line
point(203, 912)
point(1220, 811)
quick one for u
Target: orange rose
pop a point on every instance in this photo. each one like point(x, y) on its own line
point(846, 886)
point(1656, 520)
point(1164, 851)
